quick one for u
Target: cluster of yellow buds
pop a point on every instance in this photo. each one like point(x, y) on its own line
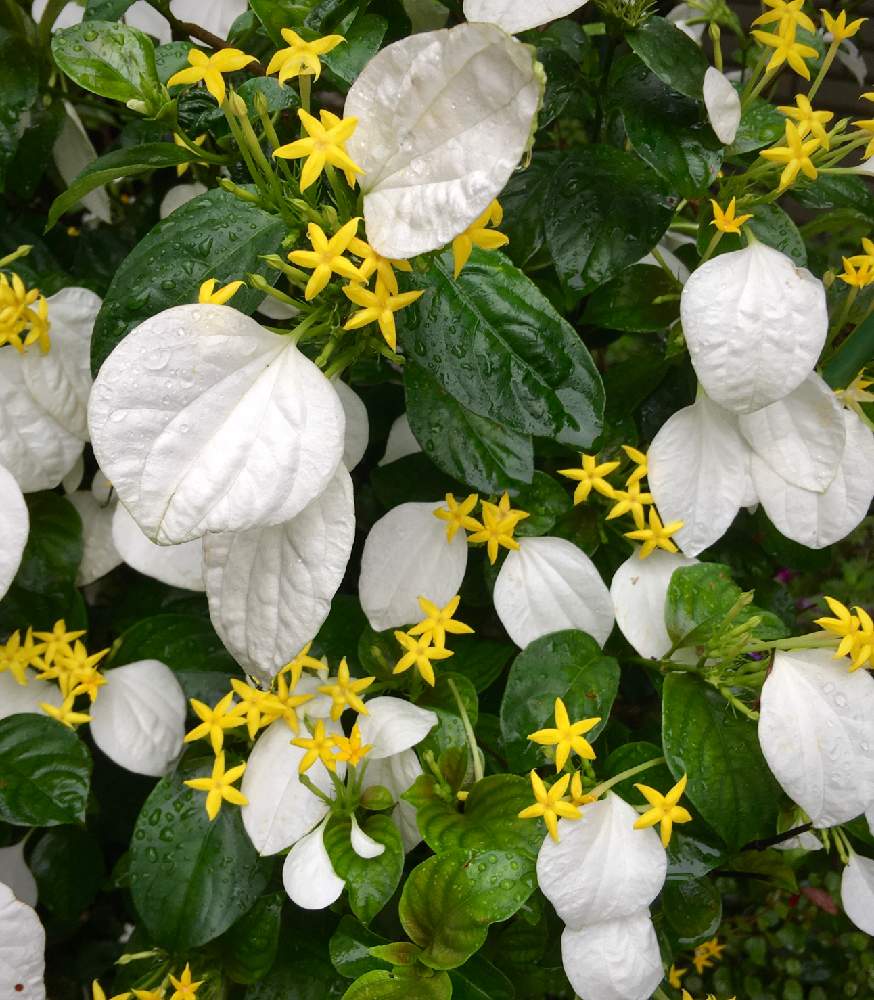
point(24, 315)
point(426, 641)
point(854, 631)
point(184, 988)
point(495, 530)
point(56, 656)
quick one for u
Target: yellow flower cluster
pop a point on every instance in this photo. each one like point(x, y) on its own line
point(56, 656)
point(857, 393)
point(854, 631)
point(495, 530)
point(704, 956)
point(184, 988)
point(24, 313)
point(859, 269)
point(426, 641)
point(478, 234)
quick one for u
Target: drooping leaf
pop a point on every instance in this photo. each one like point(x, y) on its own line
point(671, 55)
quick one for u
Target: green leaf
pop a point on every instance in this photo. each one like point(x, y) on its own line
point(567, 665)
point(191, 879)
point(401, 984)
point(363, 39)
point(278, 14)
point(411, 478)
point(370, 882)
point(674, 58)
point(105, 10)
point(770, 866)
point(629, 755)
point(771, 225)
point(627, 303)
point(67, 864)
point(478, 979)
point(693, 909)
point(188, 645)
point(525, 200)
point(482, 453)
point(607, 210)
point(170, 58)
point(729, 782)
point(45, 772)
point(690, 856)
point(856, 351)
point(350, 946)
point(34, 153)
point(761, 124)
point(481, 661)
point(109, 59)
point(19, 86)
point(489, 820)
point(449, 731)
point(545, 499)
point(450, 900)
point(214, 236)
point(836, 191)
point(500, 349)
point(250, 946)
point(127, 162)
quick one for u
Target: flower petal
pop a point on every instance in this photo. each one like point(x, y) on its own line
point(857, 892)
point(175, 565)
point(15, 874)
point(73, 152)
point(364, 846)
point(22, 949)
point(397, 773)
point(99, 554)
point(393, 725)
point(722, 102)
point(357, 424)
point(14, 528)
point(513, 16)
point(19, 699)
point(179, 195)
point(401, 441)
point(308, 875)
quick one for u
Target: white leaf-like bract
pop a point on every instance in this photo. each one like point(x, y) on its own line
point(515, 15)
point(443, 119)
point(73, 479)
point(71, 13)
point(816, 729)
point(60, 381)
point(143, 16)
point(34, 447)
point(308, 876)
point(401, 441)
point(754, 324)
point(857, 892)
point(698, 473)
point(363, 845)
point(639, 589)
point(800, 437)
point(14, 528)
point(138, 718)
point(175, 565)
point(357, 424)
point(281, 810)
point(820, 519)
point(547, 585)
point(613, 960)
point(22, 949)
point(722, 102)
point(270, 589)
point(15, 874)
point(73, 152)
point(681, 15)
point(393, 725)
point(179, 195)
point(99, 554)
point(398, 773)
point(601, 868)
point(406, 556)
point(216, 16)
point(22, 699)
point(205, 421)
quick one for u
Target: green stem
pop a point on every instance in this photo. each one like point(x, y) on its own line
point(305, 781)
point(735, 702)
point(47, 21)
point(468, 732)
point(746, 96)
point(813, 640)
point(712, 245)
point(841, 318)
point(663, 264)
point(605, 786)
point(305, 83)
point(767, 77)
point(826, 66)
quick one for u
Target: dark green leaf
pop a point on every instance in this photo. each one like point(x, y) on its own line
point(363, 39)
point(401, 984)
point(770, 866)
point(481, 661)
point(674, 58)
point(449, 731)
point(350, 948)
point(411, 478)
point(607, 210)
point(690, 856)
point(771, 225)
point(484, 454)
point(67, 864)
point(478, 979)
point(45, 772)
point(449, 901)
point(105, 10)
point(19, 84)
point(171, 58)
point(630, 755)
point(627, 302)
point(761, 124)
point(250, 946)
point(370, 882)
point(34, 153)
point(278, 14)
point(525, 200)
point(545, 499)
point(856, 351)
point(214, 236)
point(191, 879)
point(567, 665)
point(693, 909)
point(109, 59)
point(729, 782)
point(500, 349)
point(119, 163)
point(836, 191)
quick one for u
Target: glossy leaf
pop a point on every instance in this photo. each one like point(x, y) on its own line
point(370, 882)
point(68, 865)
point(627, 303)
point(693, 909)
point(109, 59)
point(19, 84)
point(251, 944)
point(671, 55)
point(400, 984)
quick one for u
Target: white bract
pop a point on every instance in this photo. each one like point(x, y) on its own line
point(179, 195)
point(73, 152)
point(820, 519)
point(15, 874)
point(443, 119)
point(205, 421)
point(548, 584)
point(22, 949)
point(14, 528)
point(176, 565)
point(698, 473)
point(754, 324)
point(357, 424)
point(800, 437)
point(857, 892)
point(270, 589)
point(816, 730)
point(401, 441)
point(23, 699)
point(722, 102)
point(406, 556)
point(515, 15)
point(639, 589)
point(138, 718)
point(99, 554)
point(681, 15)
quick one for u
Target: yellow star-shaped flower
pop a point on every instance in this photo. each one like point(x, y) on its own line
point(17, 317)
point(656, 535)
point(566, 737)
point(664, 809)
point(208, 294)
point(182, 168)
point(301, 57)
point(219, 787)
point(326, 257)
point(857, 275)
point(98, 994)
point(578, 796)
point(318, 747)
point(808, 121)
point(16, 656)
point(65, 713)
point(631, 500)
point(345, 691)
point(855, 394)
point(786, 50)
point(419, 651)
point(788, 14)
point(303, 661)
point(323, 146)
point(350, 749)
point(74, 665)
point(255, 706)
point(282, 703)
point(675, 976)
point(210, 70)
point(57, 641)
point(458, 515)
point(712, 948)
point(438, 621)
point(727, 221)
point(550, 804)
point(838, 27)
point(478, 234)
point(378, 306)
point(845, 625)
point(374, 263)
point(88, 681)
point(496, 529)
point(863, 646)
point(214, 721)
point(795, 155)
point(590, 476)
point(184, 988)
point(640, 460)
